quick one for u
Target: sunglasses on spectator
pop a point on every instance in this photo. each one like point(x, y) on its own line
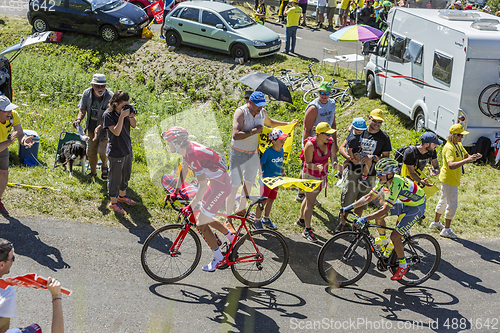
point(460, 135)
point(377, 121)
point(324, 93)
point(327, 134)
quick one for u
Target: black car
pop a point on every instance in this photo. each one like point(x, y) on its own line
point(106, 18)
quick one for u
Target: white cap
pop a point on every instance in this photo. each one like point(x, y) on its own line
point(5, 104)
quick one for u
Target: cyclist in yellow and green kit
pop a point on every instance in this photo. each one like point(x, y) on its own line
point(406, 200)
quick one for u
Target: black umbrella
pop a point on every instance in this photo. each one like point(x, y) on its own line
point(268, 85)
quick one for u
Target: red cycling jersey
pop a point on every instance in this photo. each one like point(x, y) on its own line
point(203, 160)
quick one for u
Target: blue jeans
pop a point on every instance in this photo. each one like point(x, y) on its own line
point(291, 35)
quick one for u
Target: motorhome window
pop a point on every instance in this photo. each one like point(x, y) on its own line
point(382, 48)
point(397, 48)
point(413, 52)
point(442, 67)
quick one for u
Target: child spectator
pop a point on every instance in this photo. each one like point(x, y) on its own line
point(272, 166)
point(354, 148)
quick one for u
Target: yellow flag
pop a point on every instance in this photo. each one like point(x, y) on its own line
point(265, 143)
point(429, 190)
point(307, 185)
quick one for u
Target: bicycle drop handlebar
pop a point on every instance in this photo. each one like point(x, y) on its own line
point(351, 217)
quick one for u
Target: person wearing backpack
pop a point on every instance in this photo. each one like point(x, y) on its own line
point(415, 159)
point(316, 153)
point(454, 158)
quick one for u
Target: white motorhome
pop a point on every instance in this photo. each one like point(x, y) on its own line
point(433, 65)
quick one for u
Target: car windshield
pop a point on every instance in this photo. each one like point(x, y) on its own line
point(236, 18)
point(106, 4)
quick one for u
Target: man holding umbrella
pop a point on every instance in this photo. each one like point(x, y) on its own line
point(248, 122)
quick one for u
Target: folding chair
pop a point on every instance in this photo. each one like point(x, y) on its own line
point(330, 57)
point(65, 137)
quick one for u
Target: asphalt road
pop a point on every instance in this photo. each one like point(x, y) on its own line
point(111, 293)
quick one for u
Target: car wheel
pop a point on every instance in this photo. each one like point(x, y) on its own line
point(40, 25)
point(173, 38)
point(108, 33)
point(370, 87)
point(240, 51)
point(419, 121)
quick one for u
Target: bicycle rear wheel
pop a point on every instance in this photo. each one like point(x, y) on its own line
point(163, 267)
point(342, 101)
point(482, 101)
point(311, 82)
point(341, 262)
point(494, 103)
point(423, 254)
point(274, 253)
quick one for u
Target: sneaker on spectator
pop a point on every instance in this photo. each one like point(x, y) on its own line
point(257, 225)
point(436, 225)
point(3, 211)
point(126, 200)
point(330, 27)
point(117, 208)
point(364, 182)
point(268, 224)
point(300, 197)
point(309, 235)
point(448, 234)
point(298, 223)
point(304, 24)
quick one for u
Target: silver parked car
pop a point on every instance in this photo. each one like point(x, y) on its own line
point(220, 27)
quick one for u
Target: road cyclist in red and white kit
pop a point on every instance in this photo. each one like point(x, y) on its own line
point(406, 200)
point(214, 187)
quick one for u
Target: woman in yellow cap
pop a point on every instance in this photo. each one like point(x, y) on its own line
point(454, 158)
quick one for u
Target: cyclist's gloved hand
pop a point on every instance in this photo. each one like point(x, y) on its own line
point(361, 222)
point(346, 209)
point(177, 196)
point(186, 211)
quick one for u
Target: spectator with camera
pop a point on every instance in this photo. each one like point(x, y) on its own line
point(93, 103)
point(117, 120)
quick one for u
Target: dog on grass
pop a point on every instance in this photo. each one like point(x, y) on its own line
point(72, 151)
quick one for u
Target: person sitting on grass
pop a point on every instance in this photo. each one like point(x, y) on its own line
point(272, 166)
point(354, 148)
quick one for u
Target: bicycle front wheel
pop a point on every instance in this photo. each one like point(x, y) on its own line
point(423, 254)
point(342, 101)
point(344, 259)
point(494, 103)
point(160, 264)
point(482, 101)
point(273, 251)
point(311, 82)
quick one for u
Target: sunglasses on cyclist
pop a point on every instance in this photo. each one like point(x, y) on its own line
point(324, 93)
point(380, 174)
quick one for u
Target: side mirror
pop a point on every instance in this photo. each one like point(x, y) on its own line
point(369, 47)
point(220, 26)
point(88, 11)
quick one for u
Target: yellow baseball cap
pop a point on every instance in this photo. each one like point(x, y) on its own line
point(458, 129)
point(377, 114)
point(324, 128)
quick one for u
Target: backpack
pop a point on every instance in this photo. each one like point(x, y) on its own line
point(482, 146)
point(329, 145)
point(399, 153)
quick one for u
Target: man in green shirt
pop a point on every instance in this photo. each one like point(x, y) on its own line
point(292, 23)
point(406, 200)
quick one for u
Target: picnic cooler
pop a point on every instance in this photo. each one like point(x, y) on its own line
point(28, 156)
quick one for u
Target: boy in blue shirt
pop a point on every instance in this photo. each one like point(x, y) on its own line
point(272, 166)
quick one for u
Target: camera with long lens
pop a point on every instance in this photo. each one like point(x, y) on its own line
point(132, 109)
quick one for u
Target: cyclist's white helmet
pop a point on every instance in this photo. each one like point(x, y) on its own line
point(386, 166)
